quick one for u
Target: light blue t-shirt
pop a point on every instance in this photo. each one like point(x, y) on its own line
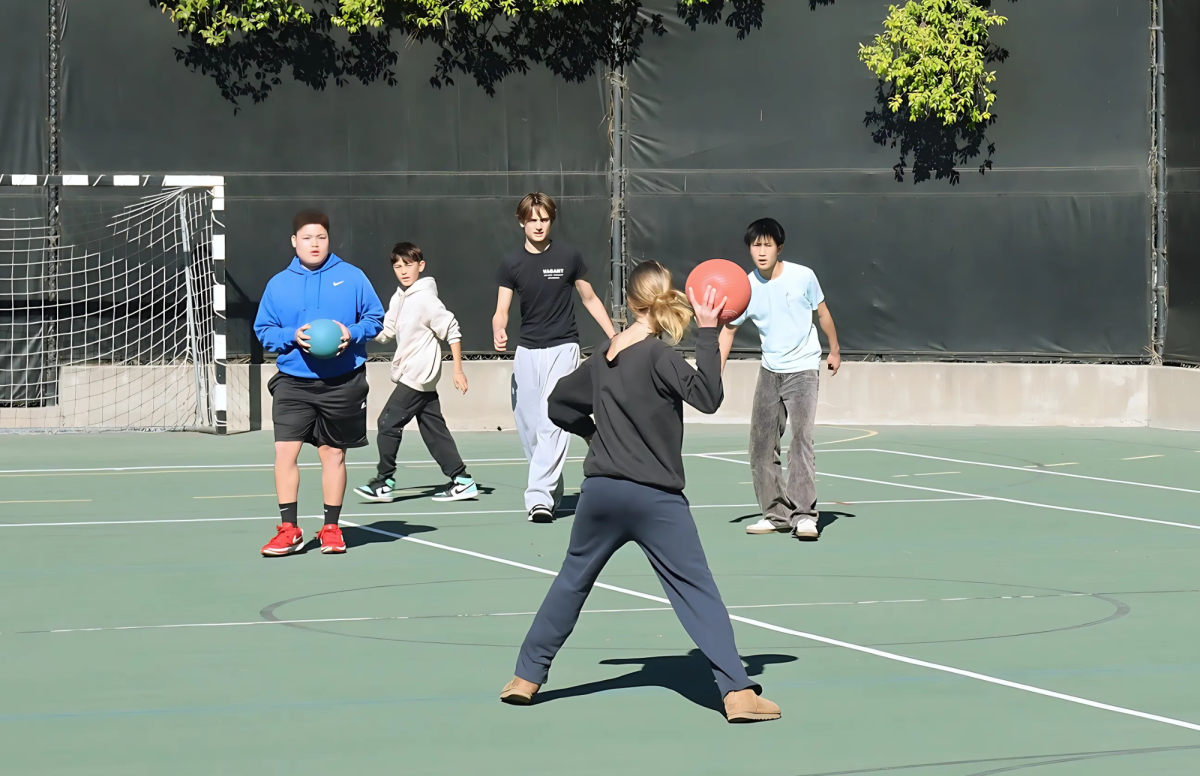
point(782, 309)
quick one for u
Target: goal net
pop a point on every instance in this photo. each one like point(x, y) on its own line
point(111, 303)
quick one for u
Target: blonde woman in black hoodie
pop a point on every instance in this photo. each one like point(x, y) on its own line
point(627, 400)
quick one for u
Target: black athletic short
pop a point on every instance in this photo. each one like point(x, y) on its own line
point(330, 411)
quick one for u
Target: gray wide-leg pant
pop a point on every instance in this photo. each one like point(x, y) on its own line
point(535, 373)
point(778, 398)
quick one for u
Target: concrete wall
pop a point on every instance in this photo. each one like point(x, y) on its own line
point(1175, 398)
point(867, 394)
point(485, 407)
point(877, 394)
point(115, 397)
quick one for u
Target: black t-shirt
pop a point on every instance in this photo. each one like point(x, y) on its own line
point(633, 405)
point(544, 281)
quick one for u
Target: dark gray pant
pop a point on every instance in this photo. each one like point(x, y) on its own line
point(610, 514)
point(402, 406)
point(778, 398)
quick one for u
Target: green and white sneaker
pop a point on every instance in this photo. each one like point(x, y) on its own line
point(379, 489)
point(461, 489)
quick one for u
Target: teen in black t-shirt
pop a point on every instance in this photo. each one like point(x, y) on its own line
point(543, 274)
point(546, 282)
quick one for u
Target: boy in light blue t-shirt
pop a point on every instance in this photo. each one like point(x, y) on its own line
point(783, 298)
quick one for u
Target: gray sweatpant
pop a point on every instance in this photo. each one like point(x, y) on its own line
point(535, 373)
point(780, 397)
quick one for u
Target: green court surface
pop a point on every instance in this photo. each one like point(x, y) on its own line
point(981, 601)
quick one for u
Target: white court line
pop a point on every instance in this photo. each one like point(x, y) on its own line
point(262, 517)
point(50, 501)
point(1000, 466)
point(903, 501)
point(222, 466)
point(435, 514)
point(389, 618)
point(1142, 457)
point(987, 498)
point(824, 639)
point(201, 467)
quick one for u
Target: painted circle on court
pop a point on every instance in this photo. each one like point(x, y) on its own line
point(290, 610)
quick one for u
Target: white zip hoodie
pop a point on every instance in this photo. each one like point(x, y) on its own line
point(418, 320)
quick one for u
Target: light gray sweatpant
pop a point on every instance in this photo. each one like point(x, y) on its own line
point(778, 398)
point(535, 373)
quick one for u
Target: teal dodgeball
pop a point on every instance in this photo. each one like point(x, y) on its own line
point(325, 338)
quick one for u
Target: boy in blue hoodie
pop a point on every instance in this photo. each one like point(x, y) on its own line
point(319, 401)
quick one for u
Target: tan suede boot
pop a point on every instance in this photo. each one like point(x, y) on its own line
point(746, 706)
point(518, 692)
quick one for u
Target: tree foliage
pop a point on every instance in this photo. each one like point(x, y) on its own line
point(933, 104)
point(216, 20)
point(246, 46)
point(934, 53)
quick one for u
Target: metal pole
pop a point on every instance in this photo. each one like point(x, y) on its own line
point(617, 97)
point(1160, 214)
point(53, 236)
point(193, 340)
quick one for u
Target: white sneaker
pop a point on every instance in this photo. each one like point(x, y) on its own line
point(765, 526)
point(806, 528)
point(541, 514)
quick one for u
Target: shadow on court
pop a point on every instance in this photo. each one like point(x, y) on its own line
point(415, 493)
point(688, 675)
point(568, 505)
point(825, 518)
point(357, 537)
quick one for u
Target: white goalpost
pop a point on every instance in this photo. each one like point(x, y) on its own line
point(112, 303)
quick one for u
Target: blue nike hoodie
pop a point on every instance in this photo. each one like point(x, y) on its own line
point(296, 296)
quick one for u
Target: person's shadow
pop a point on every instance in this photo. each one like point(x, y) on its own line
point(567, 505)
point(688, 675)
point(358, 536)
point(825, 518)
point(417, 492)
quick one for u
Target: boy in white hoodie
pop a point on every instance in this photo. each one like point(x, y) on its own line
point(419, 322)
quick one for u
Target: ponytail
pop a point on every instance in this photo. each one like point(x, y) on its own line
point(667, 308)
point(670, 313)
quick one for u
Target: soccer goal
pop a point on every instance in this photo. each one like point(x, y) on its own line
point(112, 303)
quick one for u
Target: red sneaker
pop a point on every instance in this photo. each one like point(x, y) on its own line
point(288, 539)
point(331, 539)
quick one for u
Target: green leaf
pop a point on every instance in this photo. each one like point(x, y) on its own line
point(934, 54)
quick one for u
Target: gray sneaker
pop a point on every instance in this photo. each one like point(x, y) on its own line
point(806, 529)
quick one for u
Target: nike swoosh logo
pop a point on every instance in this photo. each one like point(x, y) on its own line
point(338, 283)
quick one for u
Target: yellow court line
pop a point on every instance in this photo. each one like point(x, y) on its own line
point(50, 501)
point(866, 434)
point(474, 465)
point(154, 471)
point(248, 495)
